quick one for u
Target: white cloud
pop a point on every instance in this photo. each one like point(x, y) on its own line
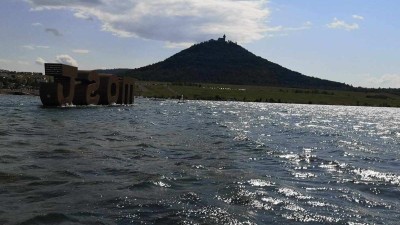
point(29, 47)
point(5, 61)
point(81, 51)
point(66, 59)
point(37, 24)
point(33, 47)
point(305, 26)
point(40, 61)
point(384, 81)
point(358, 17)
point(283, 31)
point(174, 21)
point(340, 24)
point(178, 45)
point(25, 63)
point(42, 46)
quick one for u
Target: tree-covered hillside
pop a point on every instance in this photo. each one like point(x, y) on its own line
point(225, 62)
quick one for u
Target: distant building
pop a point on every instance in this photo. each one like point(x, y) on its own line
point(223, 39)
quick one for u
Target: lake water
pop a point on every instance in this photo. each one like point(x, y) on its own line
point(201, 162)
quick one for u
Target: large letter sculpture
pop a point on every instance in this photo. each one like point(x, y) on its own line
point(109, 89)
point(73, 87)
point(125, 90)
point(86, 92)
point(61, 92)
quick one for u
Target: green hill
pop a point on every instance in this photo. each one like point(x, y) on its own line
point(225, 62)
point(112, 71)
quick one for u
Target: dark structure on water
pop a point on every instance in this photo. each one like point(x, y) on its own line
point(74, 87)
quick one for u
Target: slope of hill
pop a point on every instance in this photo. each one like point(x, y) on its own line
point(227, 63)
point(113, 71)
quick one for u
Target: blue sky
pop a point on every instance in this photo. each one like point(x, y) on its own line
point(352, 41)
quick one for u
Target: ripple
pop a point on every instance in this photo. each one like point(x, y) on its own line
point(9, 159)
point(288, 192)
point(6, 178)
point(190, 197)
point(50, 218)
point(203, 162)
point(47, 183)
point(213, 215)
point(375, 176)
point(260, 183)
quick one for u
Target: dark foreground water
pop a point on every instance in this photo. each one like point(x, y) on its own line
point(201, 162)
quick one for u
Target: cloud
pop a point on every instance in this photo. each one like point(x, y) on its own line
point(178, 45)
point(81, 51)
point(40, 61)
point(279, 31)
point(53, 31)
point(66, 59)
point(82, 15)
point(29, 47)
point(10, 62)
point(42, 46)
point(5, 61)
point(340, 24)
point(358, 17)
point(25, 63)
point(34, 47)
point(173, 21)
point(37, 24)
point(305, 26)
point(384, 81)
point(59, 4)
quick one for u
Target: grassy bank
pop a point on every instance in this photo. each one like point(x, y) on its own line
point(267, 94)
point(246, 93)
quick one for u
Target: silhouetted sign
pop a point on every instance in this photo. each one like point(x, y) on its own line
point(73, 87)
point(86, 92)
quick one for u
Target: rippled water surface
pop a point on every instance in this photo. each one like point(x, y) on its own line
point(201, 162)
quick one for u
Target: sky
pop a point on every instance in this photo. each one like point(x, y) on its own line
point(356, 42)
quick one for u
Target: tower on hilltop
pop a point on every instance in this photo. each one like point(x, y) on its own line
point(223, 39)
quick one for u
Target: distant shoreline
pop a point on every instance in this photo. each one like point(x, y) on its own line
point(252, 93)
point(248, 93)
point(19, 92)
